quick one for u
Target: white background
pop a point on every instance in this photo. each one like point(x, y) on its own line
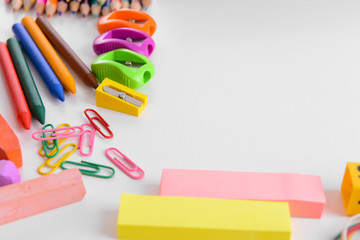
point(256, 85)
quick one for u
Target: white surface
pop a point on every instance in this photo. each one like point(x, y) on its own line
point(270, 86)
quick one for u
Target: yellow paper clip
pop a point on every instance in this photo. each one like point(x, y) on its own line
point(57, 164)
point(115, 96)
point(60, 141)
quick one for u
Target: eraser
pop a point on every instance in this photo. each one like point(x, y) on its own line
point(9, 144)
point(168, 218)
point(9, 174)
point(304, 193)
point(41, 194)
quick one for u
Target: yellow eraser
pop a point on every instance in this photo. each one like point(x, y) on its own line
point(174, 218)
point(350, 188)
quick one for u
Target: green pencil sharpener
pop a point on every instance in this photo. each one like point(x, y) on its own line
point(123, 66)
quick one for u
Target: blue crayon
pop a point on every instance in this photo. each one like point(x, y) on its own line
point(38, 60)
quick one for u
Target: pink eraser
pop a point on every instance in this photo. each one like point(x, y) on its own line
point(38, 195)
point(9, 174)
point(304, 193)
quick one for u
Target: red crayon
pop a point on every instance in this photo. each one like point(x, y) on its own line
point(20, 106)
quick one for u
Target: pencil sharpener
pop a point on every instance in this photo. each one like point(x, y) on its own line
point(350, 189)
point(127, 18)
point(123, 66)
point(128, 38)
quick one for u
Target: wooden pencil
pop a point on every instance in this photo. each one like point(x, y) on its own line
point(125, 4)
point(62, 6)
point(105, 8)
point(50, 7)
point(95, 8)
point(145, 4)
point(85, 8)
point(28, 4)
point(115, 5)
point(40, 7)
point(16, 4)
point(74, 6)
point(135, 5)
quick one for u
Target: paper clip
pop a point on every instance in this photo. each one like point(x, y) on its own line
point(128, 170)
point(54, 151)
point(91, 134)
point(57, 164)
point(63, 132)
point(93, 173)
point(98, 118)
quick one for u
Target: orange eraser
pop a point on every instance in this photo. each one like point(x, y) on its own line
point(38, 195)
point(9, 144)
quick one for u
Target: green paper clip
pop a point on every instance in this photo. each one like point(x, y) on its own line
point(92, 173)
point(46, 146)
point(123, 66)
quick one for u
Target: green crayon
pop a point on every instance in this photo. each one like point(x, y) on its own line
point(29, 88)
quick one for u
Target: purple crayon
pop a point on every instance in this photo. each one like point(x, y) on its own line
point(128, 38)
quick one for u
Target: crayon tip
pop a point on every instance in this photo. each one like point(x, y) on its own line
point(58, 92)
point(25, 119)
point(39, 113)
point(60, 13)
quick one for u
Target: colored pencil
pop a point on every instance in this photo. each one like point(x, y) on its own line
point(145, 4)
point(28, 4)
point(85, 8)
point(125, 4)
point(75, 62)
point(115, 5)
point(50, 54)
point(50, 7)
point(16, 4)
point(74, 6)
point(105, 8)
point(95, 8)
point(20, 106)
point(62, 6)
point(29, 88)
point(135, 5)
point(38, 60)
point(40, 7)
point(7, 1)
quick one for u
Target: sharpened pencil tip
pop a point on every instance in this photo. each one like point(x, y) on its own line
point(60, 13)
point(73, 12)
point(95, 15)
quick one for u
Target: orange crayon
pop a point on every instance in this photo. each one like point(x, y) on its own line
point(50, 54)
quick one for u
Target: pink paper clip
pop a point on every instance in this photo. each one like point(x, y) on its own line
point(128, 170)
point(58, 133)
point(91, 134)
point(98, 118)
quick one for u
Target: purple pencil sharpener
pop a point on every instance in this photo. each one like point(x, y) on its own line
point(129, 38)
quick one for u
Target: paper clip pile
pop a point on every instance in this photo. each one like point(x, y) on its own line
point(57, 154)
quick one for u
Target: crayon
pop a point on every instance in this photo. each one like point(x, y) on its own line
point(125, 4)
point(85, 8)
point(135, 4)
point(50, 54)
point(20, 106)
point(40, 7)
point(74, 6)
point(38, 60)
point(95, 8)
point(29, 88)
point(28, 4)
point(50, 7)
point(62, 6)
point(105, 8)
point(115, 5)
point(16, 4)
point(75, 62)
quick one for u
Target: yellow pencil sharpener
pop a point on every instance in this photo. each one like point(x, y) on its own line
point(350, 189)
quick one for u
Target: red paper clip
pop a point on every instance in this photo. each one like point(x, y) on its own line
point(130, 169)
point(98, 118)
